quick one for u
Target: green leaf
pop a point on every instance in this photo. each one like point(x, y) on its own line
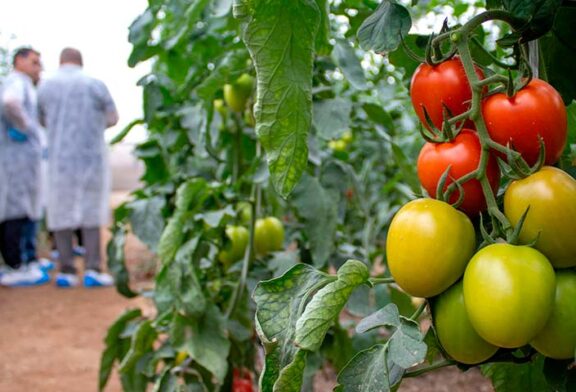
point(322, 43)
point(400, 57)
point(231, 65)
point(147, 221)
point(192, 192)
point(538, 13)
point(434, 348)
point(332, 117)
point(281, 37)
point(511, 377)
point(124, 132)
point(186, 288)
point(172, 237)
point(406, 347)
point(141, 344)
point(279, 304)
point(382, 31)
point(139, 33)
point(117, 262)
point(290, 378)
point(204, 339)
point(113, 350)
point(559, 52)
point(370, 370)
point(215, 218)
point(345, 57)
point(327, 304)
point(379, 116)
point(317, 207)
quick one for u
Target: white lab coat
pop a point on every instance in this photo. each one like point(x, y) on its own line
point(74, 108)
point(20, 182)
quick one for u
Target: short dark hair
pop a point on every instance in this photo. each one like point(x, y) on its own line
point(23, 52)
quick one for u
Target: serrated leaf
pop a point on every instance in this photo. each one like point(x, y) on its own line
point(370, 370)
point(113, 350)
point(172, 237)
point(147, 221)
point(346, 59)
point(290, 378)
point(281, 39)
point(382, 31)
point(332, 117)
point(215, 218)
point(279, 304)
point(327, 304)
point(317, 207)
point(388, 316)
point(406, 346)
point(511, 377)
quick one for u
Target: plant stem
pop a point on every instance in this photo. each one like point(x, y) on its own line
point(418, 311)
point(437, 365)
point(376, 281)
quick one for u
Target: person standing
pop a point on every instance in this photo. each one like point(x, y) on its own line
point(76, 109)
point(20, 160)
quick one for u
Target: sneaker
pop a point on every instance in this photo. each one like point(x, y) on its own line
point(97, 279)
point(66, 280)
point(24, 276)
point(43, 264)
point(79, 250)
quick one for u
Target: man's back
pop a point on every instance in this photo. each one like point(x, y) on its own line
point(74, 108)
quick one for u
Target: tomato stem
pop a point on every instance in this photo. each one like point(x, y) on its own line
point(419, 311)
point(375, 281)
point(437, 365)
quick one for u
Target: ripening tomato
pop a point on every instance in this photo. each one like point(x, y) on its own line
point(536, 110)
point(558, 338)
point(456, 334)
point(551, 195)
point(242, 381)
point(462, 155)
point(428, 245)
point(445, 83)
point(509, 293)
point(238, 240)
point(268, 235)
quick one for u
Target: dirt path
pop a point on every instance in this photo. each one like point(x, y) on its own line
point(51, 339)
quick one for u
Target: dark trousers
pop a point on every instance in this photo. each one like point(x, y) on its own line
point(28, 241)
point(11, 240)
point(91, 240)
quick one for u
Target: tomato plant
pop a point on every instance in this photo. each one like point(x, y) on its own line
point(455, 332)
point(324, 141)
point(509, 293)
point(435, 87)
point(558, 337)
point(425, 227)
point(549, 196)
point(536, 111)
point(460, 157)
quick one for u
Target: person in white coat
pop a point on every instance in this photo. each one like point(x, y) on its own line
point(20, 163)
point(76, 109)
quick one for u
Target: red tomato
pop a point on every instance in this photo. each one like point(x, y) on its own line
point(242, 381)
point(536, 110)
point(463, 156)
point(445, 83)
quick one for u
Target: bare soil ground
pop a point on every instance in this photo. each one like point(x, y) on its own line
point(51, 339)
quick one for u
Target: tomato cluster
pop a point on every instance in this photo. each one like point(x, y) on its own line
point(268, 236)
point(499, 295)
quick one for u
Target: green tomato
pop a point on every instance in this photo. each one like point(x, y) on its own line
point(558, 338)
point(347, 137)
point(268, 235)
point(551, 195)
point(238, 240)
point(219, 107)
point(509, 293)
point(454, 330)
point(338, 145)
point(237, 94)
point(428, 245)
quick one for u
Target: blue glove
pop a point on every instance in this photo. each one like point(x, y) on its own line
point(17, 136)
